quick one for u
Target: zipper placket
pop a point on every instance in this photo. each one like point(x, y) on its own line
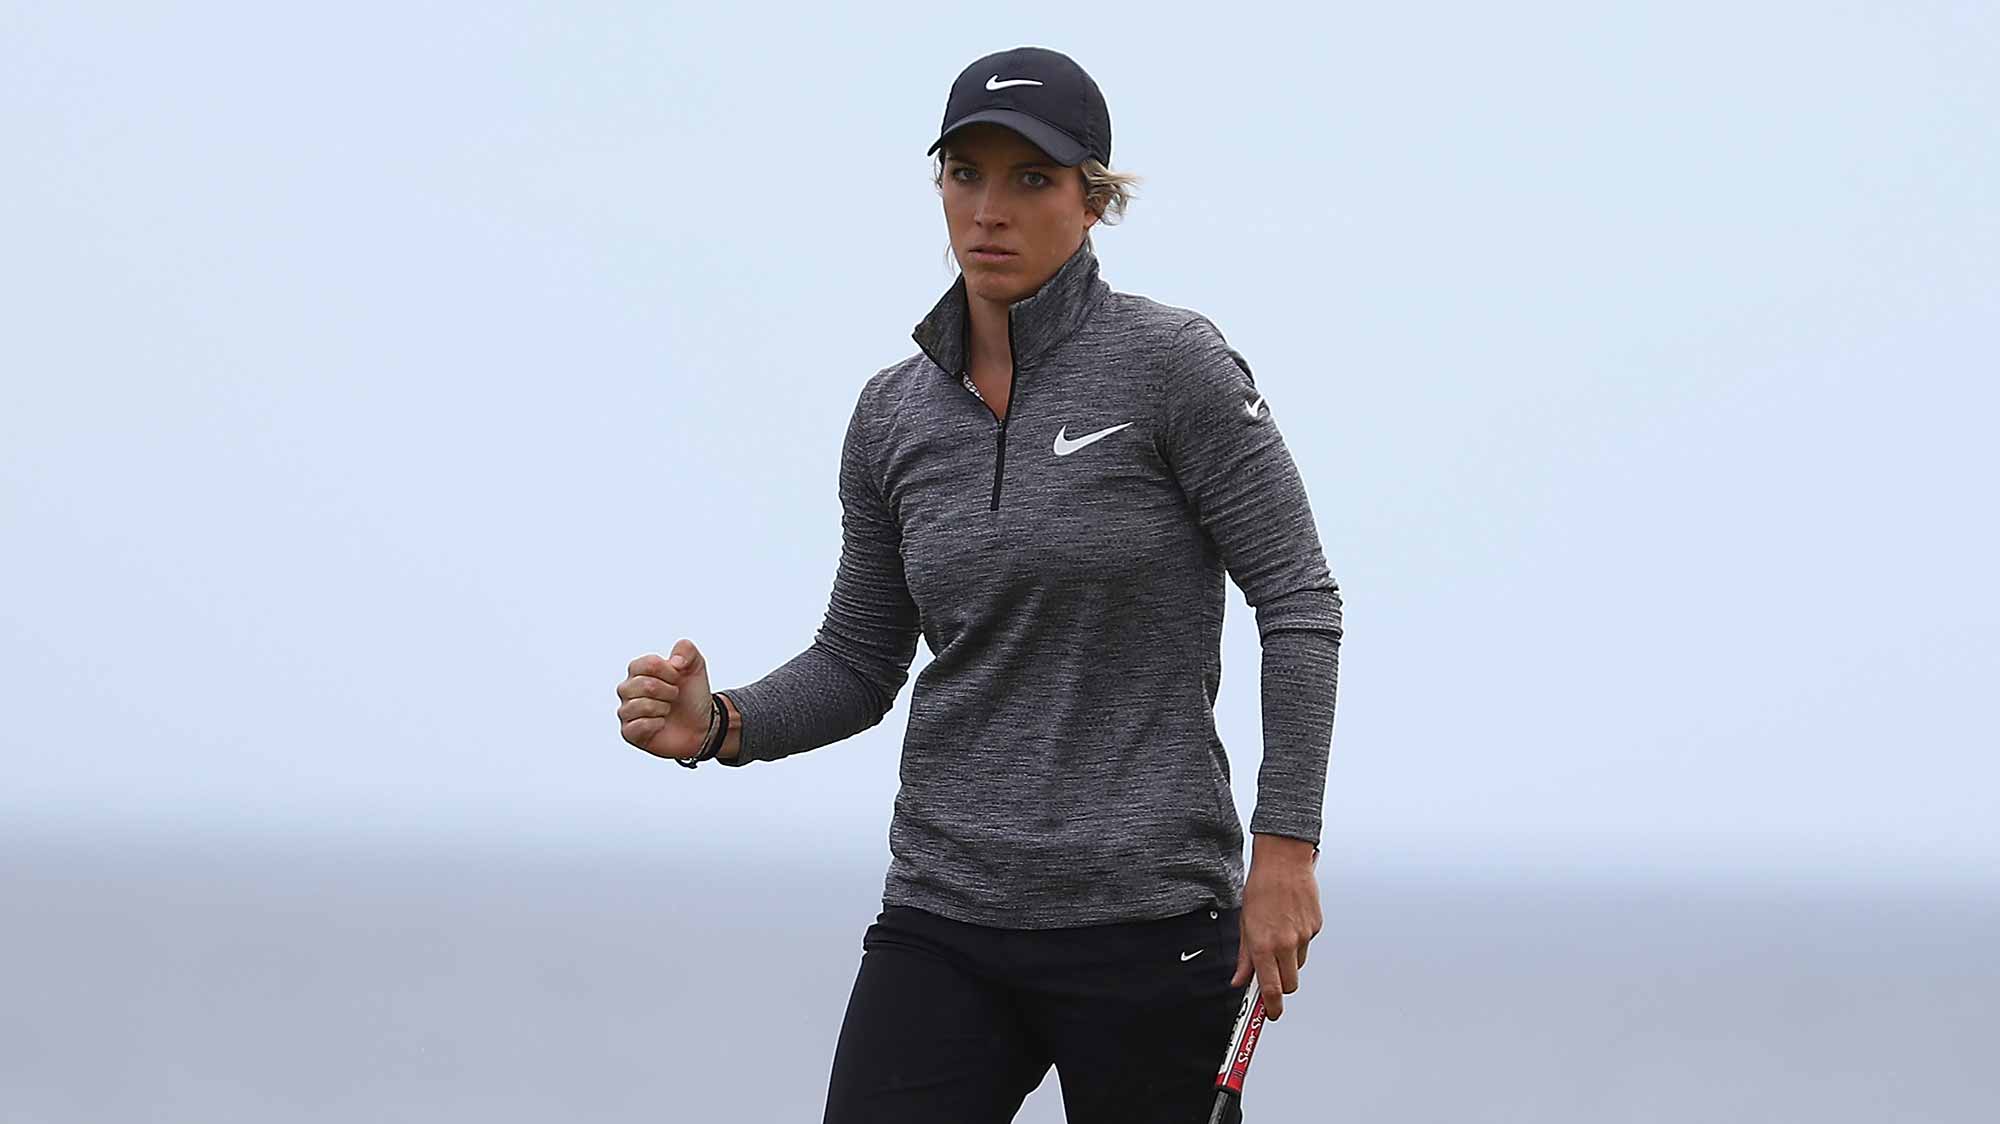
point(1000, 449)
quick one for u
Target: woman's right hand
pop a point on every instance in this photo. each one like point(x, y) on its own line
point(664, 703)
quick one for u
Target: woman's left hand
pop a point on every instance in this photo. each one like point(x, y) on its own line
point(1280, 918)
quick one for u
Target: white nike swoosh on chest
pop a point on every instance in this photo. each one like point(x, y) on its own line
point(1065, 446)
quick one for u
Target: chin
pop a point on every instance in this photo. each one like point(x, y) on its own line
point(991, 284)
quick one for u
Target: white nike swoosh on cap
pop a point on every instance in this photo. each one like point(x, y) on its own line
point(994, 83)
point(1065, 446)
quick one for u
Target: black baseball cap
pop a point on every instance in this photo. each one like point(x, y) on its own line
point(1042, 95)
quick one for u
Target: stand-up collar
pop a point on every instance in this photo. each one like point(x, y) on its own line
point(1040, 320)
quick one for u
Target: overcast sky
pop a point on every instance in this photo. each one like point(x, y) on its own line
point(377, 381)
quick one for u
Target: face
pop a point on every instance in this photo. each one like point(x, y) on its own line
point(1002, 191)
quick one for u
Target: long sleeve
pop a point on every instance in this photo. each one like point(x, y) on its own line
point(1221, 439)
point(848, 678)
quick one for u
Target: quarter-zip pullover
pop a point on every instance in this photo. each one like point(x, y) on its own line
point(1065, 565)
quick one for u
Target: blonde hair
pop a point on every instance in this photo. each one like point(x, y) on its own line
point(1106, 192)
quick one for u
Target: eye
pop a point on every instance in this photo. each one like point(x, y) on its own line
point(1045, 180)
point(962, 168)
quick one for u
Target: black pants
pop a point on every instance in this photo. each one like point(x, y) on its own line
point(953, 1023)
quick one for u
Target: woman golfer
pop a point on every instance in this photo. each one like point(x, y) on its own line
point(1050, 491)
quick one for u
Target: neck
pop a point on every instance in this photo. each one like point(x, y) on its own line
point(989, 346)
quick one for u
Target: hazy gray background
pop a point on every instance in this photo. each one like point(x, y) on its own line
point(375, 382)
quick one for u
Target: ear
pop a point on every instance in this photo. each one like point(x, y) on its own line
point(1090, 215)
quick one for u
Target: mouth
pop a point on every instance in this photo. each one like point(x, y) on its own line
point(991, 253)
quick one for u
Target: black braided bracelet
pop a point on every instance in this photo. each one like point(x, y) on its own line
point(722, 734)
point(718, 732)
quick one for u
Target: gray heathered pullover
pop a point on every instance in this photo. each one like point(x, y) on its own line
point(1061, 764)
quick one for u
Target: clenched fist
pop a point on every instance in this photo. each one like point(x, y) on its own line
point(665, 702)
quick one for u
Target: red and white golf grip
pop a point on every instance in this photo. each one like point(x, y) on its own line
point(1242, 1043)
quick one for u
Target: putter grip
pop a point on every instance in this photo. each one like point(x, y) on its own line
point(1242, 1042)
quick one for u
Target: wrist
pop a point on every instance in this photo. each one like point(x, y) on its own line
point(1282, 848)
point(733, 743)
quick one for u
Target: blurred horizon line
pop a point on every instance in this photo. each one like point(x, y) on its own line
point(858, 842)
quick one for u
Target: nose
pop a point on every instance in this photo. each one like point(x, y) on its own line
point(990, 210)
